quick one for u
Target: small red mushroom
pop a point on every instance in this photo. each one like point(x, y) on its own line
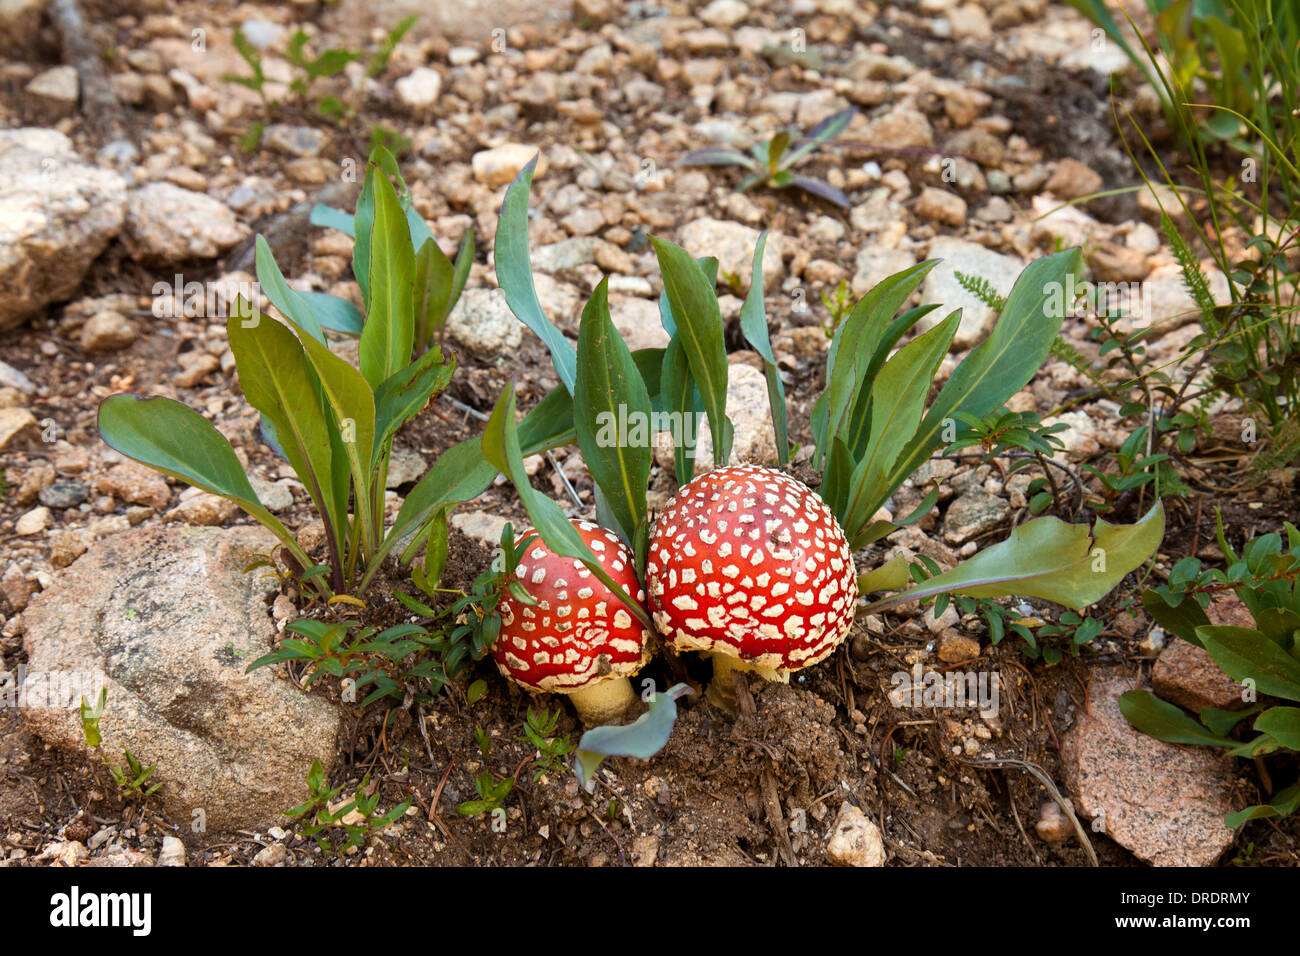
point(749, 565)
point(578, 639)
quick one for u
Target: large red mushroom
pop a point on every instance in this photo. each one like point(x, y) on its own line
point(750, 566)
point(578, 638)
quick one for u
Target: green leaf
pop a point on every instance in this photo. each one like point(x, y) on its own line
point(643, 738)
point(290, 302)
point(888, 577)
point(1282, 724)
point(819, 135)
point(515, 275)
point(1284, 803)
point(699, 325)
point(898, 396)
point(406, 392)
point(501, 448)
point(753, 325)
point(1003, 363)
point(177, 441)
point(1047, 558)
point(1163, 721)
point(1181, 621)
point(1247, 654)
point(681, 399)
point(330, 218)
point(278, 381)
point(388, 333)
point(334, 313)
point(609, 387)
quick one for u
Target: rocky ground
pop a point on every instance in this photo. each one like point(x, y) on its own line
point(976, 122)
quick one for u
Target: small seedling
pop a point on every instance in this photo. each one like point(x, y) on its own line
point(539, 730)
point(320, 820)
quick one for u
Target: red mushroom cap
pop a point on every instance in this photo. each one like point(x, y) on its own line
point(747, 561)
point(579, 633)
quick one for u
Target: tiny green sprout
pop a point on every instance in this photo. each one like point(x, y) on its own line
point(539, 730)
point(320, 821)
point(769, 163)
point(132, 780)
point(484, 742)
point(839, 305)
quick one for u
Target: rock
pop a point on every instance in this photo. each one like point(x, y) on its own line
point(953, 648)
point(405, 467)
point(203, 509)
point(33, 522)
point(1163, 803)
point(1052, 825)
point(971, 514)
point(751, 417)
point(275, 496)
point(16, 588)
point(107, 331)
point(970, 22)
point(941, 286)
point(54, 93)
point(826, 230)
point(57, 214)
point(66, 853)
point(638, 321)
point(1071, 179)
point(167, 224)
point(195, 367)
point(724, 13)
point(10, 377)
point(501, 165)
point(67, 546)
point(855, 839)
point(135, 484)
point(20, 24)
point(63, 494)
point(483, 527)
point(565, 254)
point(1113, 263)
point(1186, 675)
point(484, 324)
point(16, 425)
point(593, 13)
point(420, 88)
point(290, 140)
point(940, 205)
point(274, 855)
point(901, 127)
point(167, 622)
point(733, 244)
point(172, 852)
point(122, 856)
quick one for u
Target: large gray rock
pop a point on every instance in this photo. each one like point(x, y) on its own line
point(1164, 803)
point(941, 287)
point(167, 621)
point(483, 323)
point(167, 224)
point(748, 408)
point(733, 244)
point(57, 214)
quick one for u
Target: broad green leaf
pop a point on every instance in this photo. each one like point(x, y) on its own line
point(278, 381)
point(1284, 803)
point(854, 345)
point(1050, 559)
point(334, 313)
point(898, 396)
point(433, 271)
point(609, 392)
point(1282, 724)
point(1181, 621)
point(888, 577)
point(1163, 721)
point(177, 441)
point(291, 303)
point(753, 325)
point(1003, 363)
point(406, 392)
point(1221, 722)
point(501, 448)
point(333, 219)
point(710, 266)
point(643, 738)
point(515, 275)
point(649, 365)
point(681, 399)
point(1247, 654)
point(362, 225)
point(699, 325)
point(460, 474)
point(388, 332)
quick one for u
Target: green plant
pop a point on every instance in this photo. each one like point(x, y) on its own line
point(539, 730)
point(838, 305)
point(132, 780)
point(320, 820)
point(492, 794)
point(1265, 658)
point(334, 423)
point(769, 163)
point(1000, 434)
point(307, 70)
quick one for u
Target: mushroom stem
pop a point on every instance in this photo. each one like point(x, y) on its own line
point(605, 702)
point(722, 689)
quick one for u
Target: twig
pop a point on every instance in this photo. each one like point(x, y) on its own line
point(98, 103)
